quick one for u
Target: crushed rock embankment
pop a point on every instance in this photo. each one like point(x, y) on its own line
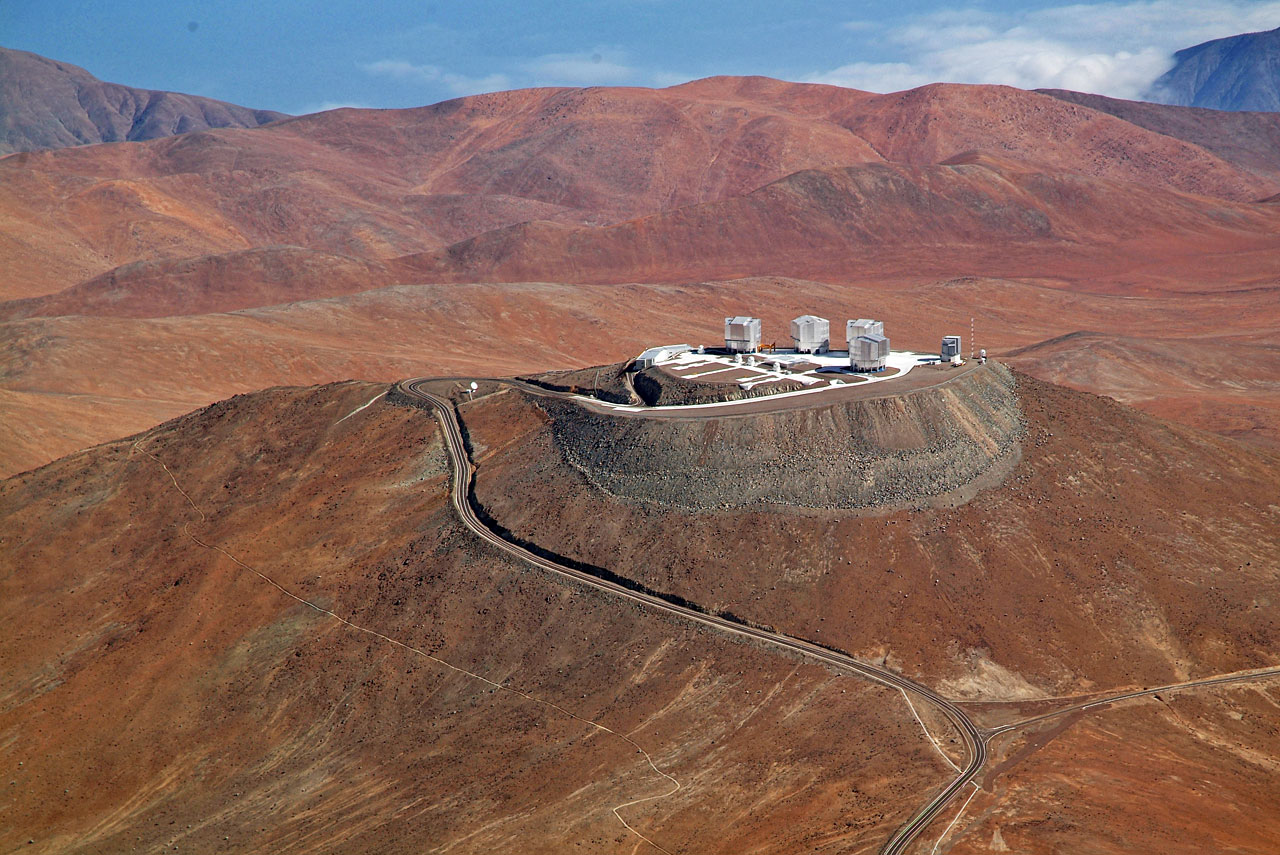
point(941, 443)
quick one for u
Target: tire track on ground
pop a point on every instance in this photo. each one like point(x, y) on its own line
point(417, 651)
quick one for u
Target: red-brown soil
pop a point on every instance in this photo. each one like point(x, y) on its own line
point(1190, 772)
point(1134, 551)
point(381, 183)
point(1122, 552)
point(73, 381)
point(975, 214)
point(905, 206)
point(160, 694)
point(210, 283)
point(1251, 140)
point(1215, 380)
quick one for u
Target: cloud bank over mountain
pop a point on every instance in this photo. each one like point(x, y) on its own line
point(1115, 49)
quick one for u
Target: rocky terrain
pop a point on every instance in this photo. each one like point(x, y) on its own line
point(260, 627)
point(976, 213)
point(49, 104)
point(659, 388)
point(606, 382)
point(873, 452)
point(1121, 551)
point(1208, 757)
point(1135, 551)
point(247, 667)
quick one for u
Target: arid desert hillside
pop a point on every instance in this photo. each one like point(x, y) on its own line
point(272, 632)
point(146, 278)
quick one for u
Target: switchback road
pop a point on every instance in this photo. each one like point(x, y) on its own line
point(462, 499)
point(976, 739)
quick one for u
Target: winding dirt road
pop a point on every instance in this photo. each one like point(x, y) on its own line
point(976, 739)
point(462, 497)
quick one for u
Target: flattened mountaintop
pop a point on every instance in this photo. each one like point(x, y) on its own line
point(891, 450)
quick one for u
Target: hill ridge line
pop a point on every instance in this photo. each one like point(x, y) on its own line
point(186, 530)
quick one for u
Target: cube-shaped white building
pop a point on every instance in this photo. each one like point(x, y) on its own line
point(742, 334)
point(868, 352)
point(811, 334)
point(860, 327)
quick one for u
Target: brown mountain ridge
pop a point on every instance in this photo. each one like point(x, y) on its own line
point(214, 710)
point(49, 104)
point(308, 228)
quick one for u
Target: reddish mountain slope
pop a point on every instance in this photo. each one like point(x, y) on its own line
point(211, 283)
point(1251, 140)
point(974, 213)
point(1121, 551)
point(385, 183)
point(718, 179)
point(1223, 382)
point(159, 693)
point(69, 382)
point(1130, 548)
point(50, 104)
point(934, 123)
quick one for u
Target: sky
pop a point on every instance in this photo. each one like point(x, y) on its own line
point(300, 56)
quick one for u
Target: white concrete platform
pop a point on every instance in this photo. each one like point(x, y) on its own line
point(827, 371)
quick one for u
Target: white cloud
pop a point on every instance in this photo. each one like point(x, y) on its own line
point(323, 106)
point(662, 79)
point(434, 76)
point(875, 76)
point(601, 67)
point(398, 69)
point(1116, 48)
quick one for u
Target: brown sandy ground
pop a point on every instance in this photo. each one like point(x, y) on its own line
point(133, 373)
point(1186, 773)
point(1122, 552)
point(1132, 551)
point(160, 695)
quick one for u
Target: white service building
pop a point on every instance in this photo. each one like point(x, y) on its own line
point(742, 334)
point(868, 352)
point(654, 355)
point(811, 334)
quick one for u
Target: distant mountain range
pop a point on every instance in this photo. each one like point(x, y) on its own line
point(49, 104)
point(1236, 73)
point(197, 265)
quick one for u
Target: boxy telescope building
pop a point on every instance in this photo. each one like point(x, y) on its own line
point(742, 334)
point(869, 352)
point(811, 334)
point(862, 326)
point(950, 347)
point(868, 345)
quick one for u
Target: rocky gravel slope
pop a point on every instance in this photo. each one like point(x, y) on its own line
point(882, 452)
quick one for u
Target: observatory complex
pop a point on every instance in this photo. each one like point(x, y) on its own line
point(809, 364)
point(868, 345)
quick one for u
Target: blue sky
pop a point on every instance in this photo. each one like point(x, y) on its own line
point(299, 56)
